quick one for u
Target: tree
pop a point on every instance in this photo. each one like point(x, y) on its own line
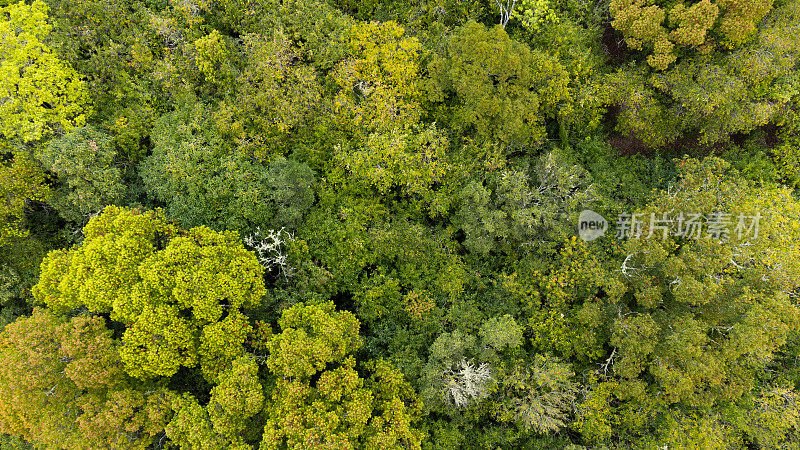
point(499, 89)
point(339, 408)
point(42, 94)
point(23, 244)
point(648, 23)
point(467, 383)
point(538, 396)
point(534, 14)
point(213, 57)
point(177, 293)
point(113, 45)
point(572, 32)
point(274, 94)
point(462, 367)
point(506, 10)
point(203, 183)
point(716, 96)
point(523, 210)
point(84, 162)
point(377, 82)
point(412, 161)
point(22, 180)
point(63, 384)
point(705, 310)
point(312, 336)
point(225, 420)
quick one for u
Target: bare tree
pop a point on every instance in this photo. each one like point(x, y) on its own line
point(506, 10)
point(467, 382)
point(270, 249)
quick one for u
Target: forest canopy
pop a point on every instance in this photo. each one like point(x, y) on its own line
point(429, 224)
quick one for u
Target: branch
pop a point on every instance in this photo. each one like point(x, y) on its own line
point(506, 10)
point(608, 361)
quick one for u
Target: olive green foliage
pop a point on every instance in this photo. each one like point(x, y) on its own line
point(63, 384)
point(354, 224)
point(689, 328)
point(487, 374)
point(715, 322)
point(572, 33)
point(661, 26)
point(494, 87)
point(21, 180)
point(311, 337)
point(118, 70)
point(274, 94)
point(539, 395)
point(400, 164)
point(734, 92)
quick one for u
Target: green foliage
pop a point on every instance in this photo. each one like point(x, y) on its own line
point(43, 95)
point(113, 45)
point(311, 337)
point(237, 396)
point(714, 96)
point(566, 309)
point(526, 209)
point(177, 293)
point(410, 176)
point(202, 184)
point(275, 93)
point(212, 55)
point(412, 162)
point(222, 422)
point(694, 315)
point(63, 384)
point(537, 13)
point(84, 162)
point(377, 82)
point(661, 26)
point(787, 159)
point(339, 409)
point(21, 180)
point(499, 88)
point(538, 396)
point(623, 181)
point(501, 332)
point(574, 39)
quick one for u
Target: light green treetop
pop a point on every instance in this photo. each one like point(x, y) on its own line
point(39, 94)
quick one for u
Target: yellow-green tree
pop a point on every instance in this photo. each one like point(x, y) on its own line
point(662, 28)
point(339, 409)
point(40, 94)
point(377, 81)
point(230, 415)
point(178, 293)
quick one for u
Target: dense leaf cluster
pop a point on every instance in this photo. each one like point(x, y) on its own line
point(264, 224)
